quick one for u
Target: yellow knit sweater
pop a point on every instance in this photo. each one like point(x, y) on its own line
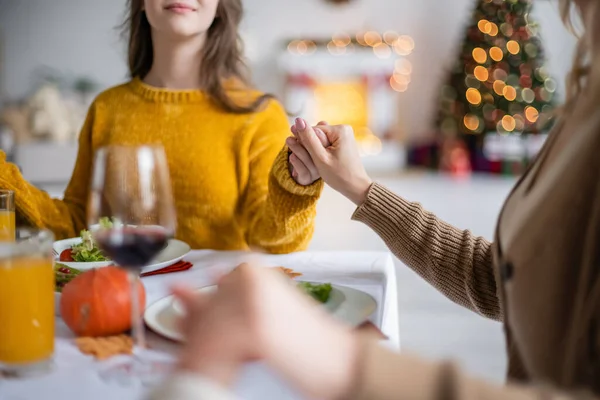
point(229, 172)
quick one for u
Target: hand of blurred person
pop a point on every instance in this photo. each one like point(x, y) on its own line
point(258, 314)
point(339, 164)
point(303, 170)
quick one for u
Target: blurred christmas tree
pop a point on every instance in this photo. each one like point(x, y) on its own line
point(499, 84)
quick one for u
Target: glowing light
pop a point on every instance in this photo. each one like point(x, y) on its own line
point(545, 95)
point(341, 39)
point(531, 114)
point(500, 74)
point(398, 87)
point(510, 93)
point(499, 87)
point(507, 29)
point(496, 53)
point(531, 50)
point(293, 46)
point(508, 123)
point(302, 47)
point(484, 25)
point(488, 98)
point(519, 123)
point(360, 38)
point(473, 96)
point(335, 50)
point(401, 78)
point(471, 122)
point(403, 66)
point(390, 37)
point(493, 29)
point(542, 73)
point(481, 73)
point(410, 43)
point(479, 55)
point(550, 85)
point(372, 38)
point(404, 45)
point(382, 50)
point(513, 47)
point(528, 95)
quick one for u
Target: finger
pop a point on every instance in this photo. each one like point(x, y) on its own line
point(303, 177)
point(303, 155)
point(322, 136)
point(309, 140)
point(337, 132)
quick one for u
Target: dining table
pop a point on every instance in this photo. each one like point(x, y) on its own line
point(76, 376)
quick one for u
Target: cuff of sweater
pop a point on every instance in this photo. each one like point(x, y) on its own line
point(383, 374)
point(25, 208)
point(281, 174)
point(187, 386)
point(382, 210)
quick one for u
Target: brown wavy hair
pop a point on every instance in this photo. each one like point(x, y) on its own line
point(221, 60)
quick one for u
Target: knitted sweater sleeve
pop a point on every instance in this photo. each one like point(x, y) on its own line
point(454, 261)
point(66, 218)
point(279, 213)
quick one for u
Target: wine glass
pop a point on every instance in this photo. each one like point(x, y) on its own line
point(131, 214)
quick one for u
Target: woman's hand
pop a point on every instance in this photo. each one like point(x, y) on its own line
point(303, 170)
point(338, 164)
point(258, 314)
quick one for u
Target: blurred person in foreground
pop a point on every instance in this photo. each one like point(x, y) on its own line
point(540, 276)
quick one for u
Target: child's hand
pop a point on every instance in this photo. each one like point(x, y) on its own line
point(303, 168)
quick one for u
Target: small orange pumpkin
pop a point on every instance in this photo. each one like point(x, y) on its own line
point(98, 302)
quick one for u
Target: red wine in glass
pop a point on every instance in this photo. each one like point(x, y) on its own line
point(132, 247)
point(131, 187)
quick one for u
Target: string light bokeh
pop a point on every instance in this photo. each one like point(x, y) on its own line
point(384, 46)
point(499, 82)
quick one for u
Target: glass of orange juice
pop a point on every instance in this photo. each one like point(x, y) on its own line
point(26, 303)
point(7, 215)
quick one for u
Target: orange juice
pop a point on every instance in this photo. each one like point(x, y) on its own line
point(7, 225)
point(26, 310)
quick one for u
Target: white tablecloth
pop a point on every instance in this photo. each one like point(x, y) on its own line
point(76, 376)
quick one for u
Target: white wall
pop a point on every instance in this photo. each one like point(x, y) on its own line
point(79, 37)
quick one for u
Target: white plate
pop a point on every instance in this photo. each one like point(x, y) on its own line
point(174, 252)
point(346, 304)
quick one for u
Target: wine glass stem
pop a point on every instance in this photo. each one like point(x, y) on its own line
point(137, 327)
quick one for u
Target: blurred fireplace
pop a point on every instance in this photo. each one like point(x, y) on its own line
point(356, 88)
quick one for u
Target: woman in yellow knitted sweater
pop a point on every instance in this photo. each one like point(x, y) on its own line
point(224, 143)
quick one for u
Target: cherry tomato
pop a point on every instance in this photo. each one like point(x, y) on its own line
point(65, 255)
